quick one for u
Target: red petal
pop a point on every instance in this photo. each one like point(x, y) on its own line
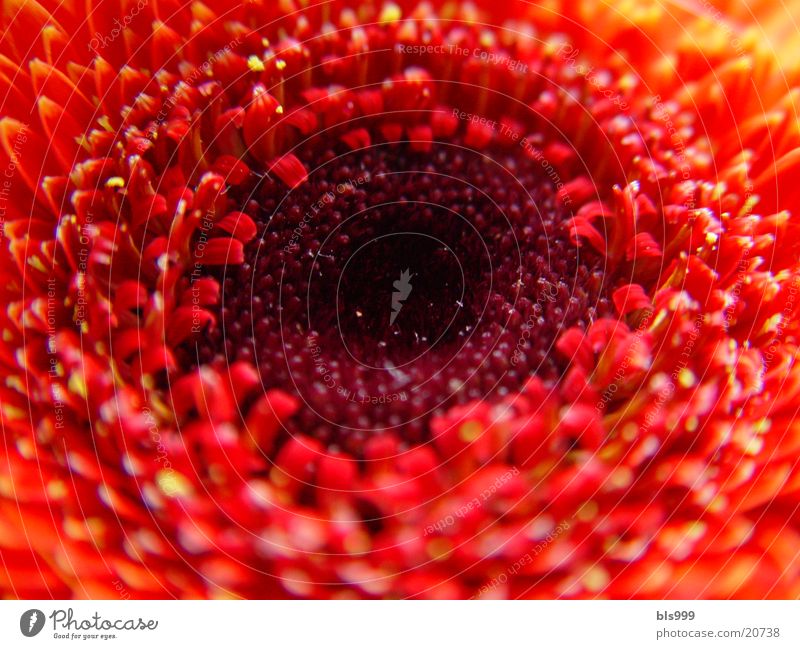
point(631, 297)
point(357, 139)
point(259, 123)
point(580, 227)
point(239, 225)
point(297, 460)
point(290, 170)
point(642, 245)
point(478, 135)
point(265, 417)
point(232, 170)
point(420, 138)
point(337, 472)
point(575, 345)
point(220, 251)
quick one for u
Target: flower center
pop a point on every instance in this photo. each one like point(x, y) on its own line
point(395, 283)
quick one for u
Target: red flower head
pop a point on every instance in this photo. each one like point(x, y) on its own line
point(378, 300)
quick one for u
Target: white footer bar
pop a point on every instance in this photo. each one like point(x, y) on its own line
point(401, 624)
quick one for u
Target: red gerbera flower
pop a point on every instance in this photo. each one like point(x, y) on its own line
point(360, 300)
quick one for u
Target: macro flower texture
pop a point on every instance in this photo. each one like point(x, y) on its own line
point(366, 300)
